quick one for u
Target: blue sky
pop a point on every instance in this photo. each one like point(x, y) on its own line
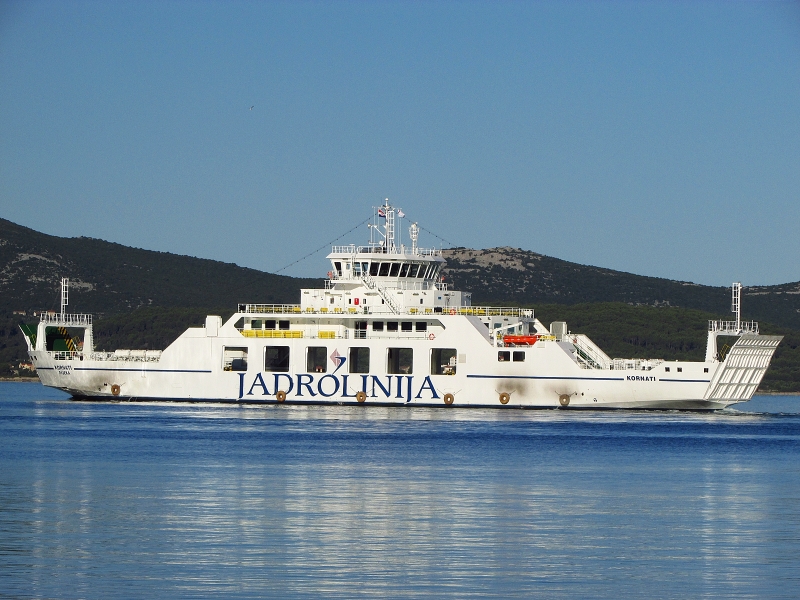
point(656, 138)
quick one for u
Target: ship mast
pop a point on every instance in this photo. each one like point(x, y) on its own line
point(64, 296)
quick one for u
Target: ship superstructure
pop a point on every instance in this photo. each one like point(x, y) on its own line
point(386, 329)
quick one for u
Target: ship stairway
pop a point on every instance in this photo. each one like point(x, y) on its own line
point(588, 354)
point(743, 368)
point(373, 285)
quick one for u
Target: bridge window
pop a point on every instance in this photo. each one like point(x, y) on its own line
point(404, 270)
point(519, 356)
point(400, 361)
point(356, 269)
point(234, 359)
point(276, 359)
point(443, 361)
point(359, 360)
point(412, 270)
point(503, 356)
point(395, 270)
point(384, 271)
point(338, 266)
point(373, 269)
point(316, 359)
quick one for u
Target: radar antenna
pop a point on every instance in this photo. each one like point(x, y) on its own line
point(413, 231)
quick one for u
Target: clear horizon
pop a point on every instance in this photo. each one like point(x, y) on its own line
point(660, 139)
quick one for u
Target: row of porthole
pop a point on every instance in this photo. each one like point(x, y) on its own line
point(449, 398)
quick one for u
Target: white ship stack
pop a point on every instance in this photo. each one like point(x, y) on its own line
point(387, 330)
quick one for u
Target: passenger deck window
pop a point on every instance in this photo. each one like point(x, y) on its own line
point(377, 326)
point(406, 326)
point(270, 324)
point(234, 358)
point(359, 360)
point(276, 359)
point(519, 356)
point(504, 356)
point(443, 361)
point(400, 361)
point(316, 359)
point(283, 325)
point(391, 326)
point(422, 326)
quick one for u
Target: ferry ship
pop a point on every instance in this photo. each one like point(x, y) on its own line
point(387, 330)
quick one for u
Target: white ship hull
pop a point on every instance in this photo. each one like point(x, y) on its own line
point(193, 369)
point(386, 330)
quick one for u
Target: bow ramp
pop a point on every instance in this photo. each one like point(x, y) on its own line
point(743, 368)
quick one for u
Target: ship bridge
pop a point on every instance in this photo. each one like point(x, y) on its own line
point(385, 275)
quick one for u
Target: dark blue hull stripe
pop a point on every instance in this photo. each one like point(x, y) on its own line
point(544, 377)
point(687, 380)
point(141, 370)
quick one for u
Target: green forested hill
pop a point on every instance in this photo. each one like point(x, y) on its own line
point(110, 279)
point(502, 275)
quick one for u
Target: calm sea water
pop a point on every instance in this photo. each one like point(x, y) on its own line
point(178, 501)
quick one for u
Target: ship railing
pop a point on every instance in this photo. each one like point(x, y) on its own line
point(66, 320)
point(473, 311)
point(588, 354)
point(732, 327)
point(65, 355)
point(331, 335)
point(489, 311)
point(128, 355)
point(353, 249)
point(270, 308)
point(635, 364)
point(390, 283)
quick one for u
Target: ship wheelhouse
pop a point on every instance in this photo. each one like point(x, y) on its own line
point(385, 276)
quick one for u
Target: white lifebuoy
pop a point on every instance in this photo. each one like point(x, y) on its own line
point(431, 337)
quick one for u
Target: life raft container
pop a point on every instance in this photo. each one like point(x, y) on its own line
point(520, 340)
